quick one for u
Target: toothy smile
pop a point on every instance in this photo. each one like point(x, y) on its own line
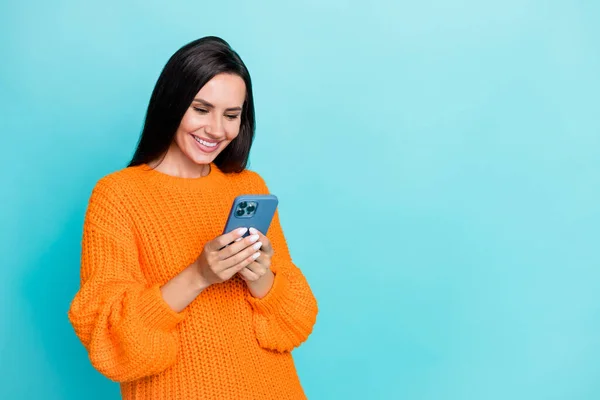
point(205, 143)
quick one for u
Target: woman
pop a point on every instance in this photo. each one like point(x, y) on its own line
point(168, 306)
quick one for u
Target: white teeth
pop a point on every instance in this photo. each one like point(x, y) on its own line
point(205, 143)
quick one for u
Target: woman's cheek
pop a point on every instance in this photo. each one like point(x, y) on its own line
point(191, 122)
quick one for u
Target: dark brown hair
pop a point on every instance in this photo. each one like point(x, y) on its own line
point(186, 72)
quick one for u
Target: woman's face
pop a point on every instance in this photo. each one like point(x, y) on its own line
point(212, 121)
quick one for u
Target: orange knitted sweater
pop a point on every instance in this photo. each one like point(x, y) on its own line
point(142, 227)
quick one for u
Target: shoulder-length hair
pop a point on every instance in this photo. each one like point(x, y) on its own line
point(186, 72)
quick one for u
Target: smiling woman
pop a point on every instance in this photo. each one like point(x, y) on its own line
point(168, 305)
point(210, 123)
point(204, 93)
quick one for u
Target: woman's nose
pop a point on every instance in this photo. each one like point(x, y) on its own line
point(215, 127)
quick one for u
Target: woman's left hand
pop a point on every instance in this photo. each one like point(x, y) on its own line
point(262, 266)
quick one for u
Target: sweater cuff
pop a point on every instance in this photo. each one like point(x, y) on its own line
point(270, 303)
point(155, 312)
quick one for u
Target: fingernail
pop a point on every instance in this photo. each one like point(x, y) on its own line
point(253, 238)
point(253, 231)
point(255, 255)
point(241, 231)
point(257, 245)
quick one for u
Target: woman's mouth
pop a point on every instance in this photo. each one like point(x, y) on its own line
point(206, 146)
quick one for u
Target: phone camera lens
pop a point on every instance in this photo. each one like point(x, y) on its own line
point(243, 204)
point(250, 209)
point(239, 213)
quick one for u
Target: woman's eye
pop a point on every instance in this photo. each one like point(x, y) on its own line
point(201, 110)
point(231, 117)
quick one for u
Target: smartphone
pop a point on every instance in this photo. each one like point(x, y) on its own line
point(252, 211)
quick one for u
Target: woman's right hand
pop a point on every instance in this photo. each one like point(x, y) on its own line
point(226, 255)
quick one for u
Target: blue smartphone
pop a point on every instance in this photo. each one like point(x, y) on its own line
point(252, 211)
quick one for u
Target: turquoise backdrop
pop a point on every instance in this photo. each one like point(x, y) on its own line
point(437, 164)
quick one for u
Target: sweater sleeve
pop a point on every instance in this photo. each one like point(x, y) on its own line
point(285, 317)
point(125, 325)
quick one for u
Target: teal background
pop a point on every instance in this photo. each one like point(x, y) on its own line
point(437, 164)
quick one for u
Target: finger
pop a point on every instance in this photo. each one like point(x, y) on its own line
point(257, 268)
point(223, 240)
point(237, 246)
point(249, 275)
point(251, 253)
point(264, 260)
point(228, 273)
point(266, 247)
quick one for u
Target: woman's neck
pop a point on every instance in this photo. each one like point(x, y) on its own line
point(175, 163)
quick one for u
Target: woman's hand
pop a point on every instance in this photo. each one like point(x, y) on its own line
point(227, 255)
point(258, 274)
point(215, 264)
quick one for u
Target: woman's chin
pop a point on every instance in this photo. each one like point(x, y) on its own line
point(201, 158)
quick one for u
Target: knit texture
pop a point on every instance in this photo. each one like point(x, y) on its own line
point(142, 227)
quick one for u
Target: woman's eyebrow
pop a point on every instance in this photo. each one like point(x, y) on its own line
point(208, 105)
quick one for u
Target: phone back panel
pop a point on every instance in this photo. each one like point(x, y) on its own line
point(252, 211)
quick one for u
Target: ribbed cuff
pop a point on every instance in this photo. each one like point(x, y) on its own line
point(275, 296)
point(155, 312)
